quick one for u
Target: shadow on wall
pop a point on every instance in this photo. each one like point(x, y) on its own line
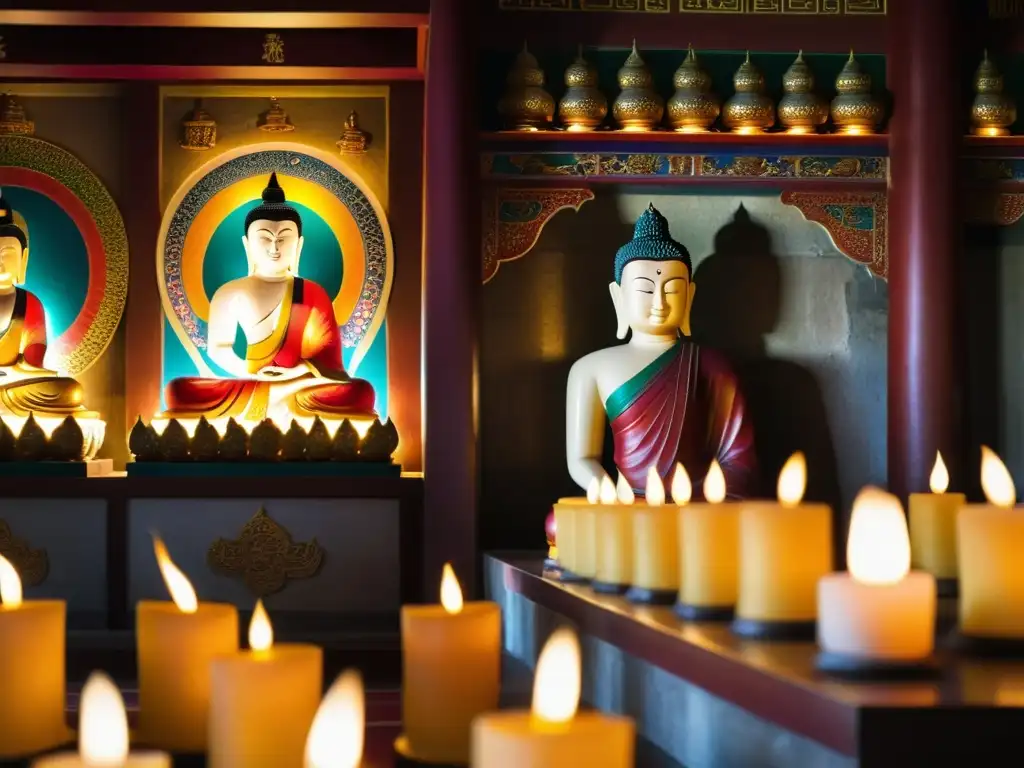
point(738, 301)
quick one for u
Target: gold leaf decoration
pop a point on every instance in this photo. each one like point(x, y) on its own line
point(32, 565)
point(264, 556)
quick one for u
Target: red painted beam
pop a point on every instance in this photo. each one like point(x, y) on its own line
point(194, 74)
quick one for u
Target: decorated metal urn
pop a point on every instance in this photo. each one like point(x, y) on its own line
point(526, 105)
point(638, 106)
point(992, 112)
point(583, 107)
point(854, 109)
point(693, 107)
point(800, 109)
point(750, 110)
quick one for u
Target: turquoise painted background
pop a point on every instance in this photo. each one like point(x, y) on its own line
point(321, 261)
point(58, 265)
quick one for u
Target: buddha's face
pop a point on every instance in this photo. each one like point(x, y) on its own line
point(13, 260)
point(272, 248)
point(654, 298)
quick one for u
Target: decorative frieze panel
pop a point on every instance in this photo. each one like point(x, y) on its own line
point(857, 222)
point(791, 7)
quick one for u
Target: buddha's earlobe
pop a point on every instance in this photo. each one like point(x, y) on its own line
point(248, 259)
point(24, 267)
point(298, 254)
point(684, 326)
point(621, 320)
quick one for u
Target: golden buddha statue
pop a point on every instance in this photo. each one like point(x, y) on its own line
point(27, 388)
point(292, 368)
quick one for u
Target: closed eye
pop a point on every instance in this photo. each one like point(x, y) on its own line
point(643, 284)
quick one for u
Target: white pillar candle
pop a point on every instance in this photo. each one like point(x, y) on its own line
point(879, 611)
point(103, 733)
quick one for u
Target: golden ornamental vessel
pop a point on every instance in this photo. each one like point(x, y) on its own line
point(198, 129)
point(800, 109)
point(750, 110)
point(275, 119)
point(354, 140)
point(526, 105)
point(693, 107)
point(992, 112)
point(583, 107)
point(854, 109)
point(638, 106)
point(13, 120)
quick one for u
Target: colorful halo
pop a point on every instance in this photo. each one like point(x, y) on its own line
point(26, 161)
point(237, 177)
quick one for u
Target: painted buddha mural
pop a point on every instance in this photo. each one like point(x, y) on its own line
point(667, 399)
point(291, 366)
point(26, 385)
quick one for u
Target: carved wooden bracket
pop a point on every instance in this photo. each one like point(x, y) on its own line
point(264, 556)
point(1001, 208)
point(856, 221)
point(32, 565)
point(513, 219)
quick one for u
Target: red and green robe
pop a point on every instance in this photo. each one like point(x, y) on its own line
point(685, 406)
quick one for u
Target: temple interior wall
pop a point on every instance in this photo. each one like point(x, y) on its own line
point(805, 326)
point(86, 121)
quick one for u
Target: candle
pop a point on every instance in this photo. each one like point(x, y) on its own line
point(339, 729)
point(933, 528)
point(990, 541)
point(103, 733)
point(655, 545)
point(709, 546)
point(553, 734)
point(31, 670)
point(614, 521)
point(880, 613)
point(569, 537)
point(263, 701)
point(176, 641)
point(451, 669)
point(585, 528)
point(785, 549)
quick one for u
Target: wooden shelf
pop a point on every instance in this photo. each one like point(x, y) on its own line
point(879, 724)
point(685, 143)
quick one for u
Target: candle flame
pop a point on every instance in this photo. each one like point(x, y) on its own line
point(793, 480)
point(623, 492)
point(996, 480)
point(336, 737)
point(655, 494)
point(182, 593)
point(607, 495)
point(878, 548)
point(594, 490)
point(261, 632)
point(714, 484)
point(557, 684)
point(10, 584)
point(451, 592)
point(102, 724)
point(939, 480)
point(682, 489)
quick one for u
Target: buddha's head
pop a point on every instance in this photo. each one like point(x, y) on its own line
point(13, 246)
point(273, 235)
point(653, 287)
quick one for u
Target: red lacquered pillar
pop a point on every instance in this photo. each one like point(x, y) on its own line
point(451, 276)
point(924, 410)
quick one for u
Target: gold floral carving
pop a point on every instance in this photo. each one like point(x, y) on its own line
point(791, 7)
point(3, 48)
point(273, 49)
point(1002, 209)
point(32, 565)
point(265, 557)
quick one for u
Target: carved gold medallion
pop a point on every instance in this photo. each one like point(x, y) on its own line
point(32, 565)
point(265, 557)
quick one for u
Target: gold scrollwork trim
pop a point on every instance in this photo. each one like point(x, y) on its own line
point(264, 556)
point(792, 7)
point(32, 565)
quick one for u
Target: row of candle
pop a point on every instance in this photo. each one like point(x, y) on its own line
point(769, 564)
point(197, 691)
point(759, 560)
